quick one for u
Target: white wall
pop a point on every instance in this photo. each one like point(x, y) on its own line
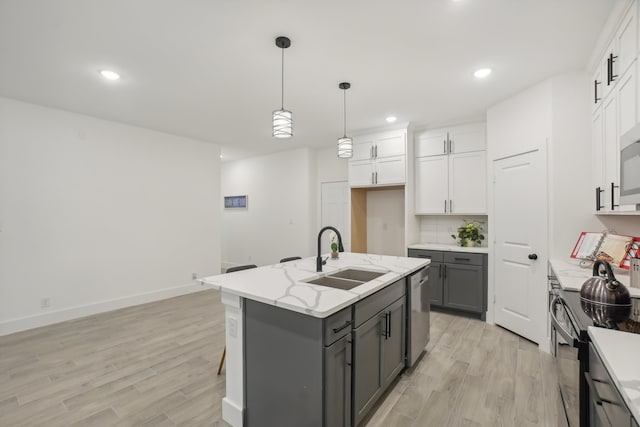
point(329, 168)
point(439, 228)
point(281, 213)
point(97, 215)
point(385, 222)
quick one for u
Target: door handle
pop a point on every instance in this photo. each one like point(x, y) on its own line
point(533, 256)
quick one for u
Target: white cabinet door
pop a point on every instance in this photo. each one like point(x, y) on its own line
point(610, 152)
point(432, 191)
point(362, 148)
point(360, 173)
point(627, 100)
point(390, 170)
point(431, 143)
point(390, 145)
point(597, 156)
point(468, 183)
point(626, 42)
point(467, 138)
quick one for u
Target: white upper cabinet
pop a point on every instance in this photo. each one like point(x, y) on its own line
point(451, 140)
point(378, 159)
point(450, 170)
point(615, 109)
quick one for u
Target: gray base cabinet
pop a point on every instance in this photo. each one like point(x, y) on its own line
point(457, 280)
point(606, 406)
point(379, 348)
point(305, 371)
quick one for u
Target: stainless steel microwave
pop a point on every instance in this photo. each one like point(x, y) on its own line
point(630, 167)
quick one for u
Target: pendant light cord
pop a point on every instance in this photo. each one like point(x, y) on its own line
point(344, 91)
point(282, 82)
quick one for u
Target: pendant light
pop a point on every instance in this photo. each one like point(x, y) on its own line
point(282, 119)
point(345, 144)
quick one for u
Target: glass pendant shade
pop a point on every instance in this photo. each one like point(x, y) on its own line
point(282, 124)
point(345, 147)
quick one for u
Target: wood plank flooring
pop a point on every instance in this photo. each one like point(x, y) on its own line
point(155, 365)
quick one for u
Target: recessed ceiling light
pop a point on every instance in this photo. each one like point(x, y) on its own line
point(221, 156)
point(482, 73)
point(109, 75)
point(391, 119)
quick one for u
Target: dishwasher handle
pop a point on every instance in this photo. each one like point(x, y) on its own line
point(557, 325)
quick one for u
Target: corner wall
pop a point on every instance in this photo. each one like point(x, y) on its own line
point(281, 212)
point(97, 215)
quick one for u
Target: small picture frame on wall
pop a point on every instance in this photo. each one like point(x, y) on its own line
point(235, 202)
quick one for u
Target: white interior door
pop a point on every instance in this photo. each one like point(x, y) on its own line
point(335, 212)
point(520, 244)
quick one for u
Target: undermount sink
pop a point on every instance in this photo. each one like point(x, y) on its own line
point(346, 279)
point(359, 275)
point(335, 282)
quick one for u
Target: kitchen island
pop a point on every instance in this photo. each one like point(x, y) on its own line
point(280, 330)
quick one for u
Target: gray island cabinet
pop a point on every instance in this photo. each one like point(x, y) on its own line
point(306, 371)
point(309, 348)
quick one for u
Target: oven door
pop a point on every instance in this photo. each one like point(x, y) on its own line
point(564, 346)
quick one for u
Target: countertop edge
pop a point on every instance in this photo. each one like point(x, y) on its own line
point(449, 248)
point(602, 352)
point(349, 296)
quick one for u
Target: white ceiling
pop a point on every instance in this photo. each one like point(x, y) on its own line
point(209, 69)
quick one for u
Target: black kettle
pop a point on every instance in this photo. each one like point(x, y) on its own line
point(603, 298)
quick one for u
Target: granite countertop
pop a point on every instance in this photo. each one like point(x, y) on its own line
point(571, 276)
point(282, 285)
point(619, 352)
point(450, 247)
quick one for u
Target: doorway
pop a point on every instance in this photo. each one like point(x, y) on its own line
point(334, 201)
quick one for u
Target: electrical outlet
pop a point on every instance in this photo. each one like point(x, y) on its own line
point(194, 276)
point(45, 302)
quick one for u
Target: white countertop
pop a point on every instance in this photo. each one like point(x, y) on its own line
point(450, 247)
point(282, 285)
point(571, 276)
point(619, 352)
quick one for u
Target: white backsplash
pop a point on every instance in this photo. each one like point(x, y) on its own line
point(439, 228)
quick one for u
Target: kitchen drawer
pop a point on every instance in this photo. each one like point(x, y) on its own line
point(435, 256)
point(606, 395)
point(337, 325)
point(463, 258)
point(373, 304)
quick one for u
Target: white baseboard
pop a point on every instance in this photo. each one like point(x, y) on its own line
point(34, 321)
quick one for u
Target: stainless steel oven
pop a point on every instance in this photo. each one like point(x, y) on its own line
point(570, 352)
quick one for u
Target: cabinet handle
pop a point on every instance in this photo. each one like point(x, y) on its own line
point(388, 324)
point(613, 205)
point(346, 325)
point(450, 207)
point(462, 259)
point(445, 206)
point(376, 178)
point(598, 201)
point(595, 92)
point(444, 146)
point(375, 152)
point(371, 152)
point(440, 270)
point(384, 331)
point(371, 177)
point(610, 76)
point(450, 146)
point(445, 271)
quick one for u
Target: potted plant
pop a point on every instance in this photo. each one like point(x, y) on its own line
point(334, 246)
point(469, 233)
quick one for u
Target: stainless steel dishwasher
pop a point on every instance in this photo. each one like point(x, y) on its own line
point(418, 321)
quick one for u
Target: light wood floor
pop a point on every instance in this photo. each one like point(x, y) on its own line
point(155, 365)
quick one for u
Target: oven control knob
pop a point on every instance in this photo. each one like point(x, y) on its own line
point(533, 256)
